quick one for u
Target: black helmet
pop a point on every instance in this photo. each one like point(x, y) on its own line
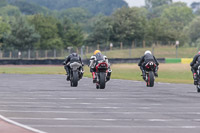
point(74, 54)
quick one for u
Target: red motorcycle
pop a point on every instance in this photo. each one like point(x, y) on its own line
point(150, 77)
point(102, 74)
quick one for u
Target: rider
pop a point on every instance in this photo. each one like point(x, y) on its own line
point(145, 59)
point(98, 56)
point(194, 66)
point(74, 57)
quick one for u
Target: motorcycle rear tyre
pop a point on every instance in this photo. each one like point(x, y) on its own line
point(150, 79)
point(75, 79)
point(198, 88)
point(102, 80)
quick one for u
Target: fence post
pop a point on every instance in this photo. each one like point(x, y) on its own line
point(82, 51)
point(29, 54)
point(19, 54)
point(121, 45)
point(133, 44)
point(111, 46)
point(1, 54)
point(153, 47)
point(87, 50)
point(176, 51)
point(177, 44)
point(62, 52)
point(54, 53)
point(98, 46)
point(45, 53)
point(144, 44)
point(77, 51)
point(10, 55)
point(36, 54)
point(130, 52)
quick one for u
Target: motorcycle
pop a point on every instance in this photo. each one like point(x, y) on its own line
point(150, 77)
point(102, 74)
point(75, 73)
point(198, 79)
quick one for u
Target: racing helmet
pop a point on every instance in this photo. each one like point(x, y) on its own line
point(74, 54)
point(147, 52)
point(199, 52)
point(96, 52)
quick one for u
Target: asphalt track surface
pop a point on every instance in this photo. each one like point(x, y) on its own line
point(49, 104)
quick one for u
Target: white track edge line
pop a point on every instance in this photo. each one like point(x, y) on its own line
point(20, 125)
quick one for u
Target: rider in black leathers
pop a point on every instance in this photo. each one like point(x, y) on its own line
point(74, 57)
point(144, 60)
point(194, 66)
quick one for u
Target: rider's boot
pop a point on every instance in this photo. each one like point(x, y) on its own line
point(108, 75)
point(195, 78)
point(81, 73)
point(156, 74)
point(68, 77)
point(156, 71)
point(94, 77)
point(144, 75)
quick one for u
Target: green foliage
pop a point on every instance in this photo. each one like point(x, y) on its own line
point(126, 24)
point(150, 4)
point(22, 36)
point(93, 6)
point(3, 3)
point(29, 8)
point(102, 31)
point(77, 15)
point(4, 29)
point(46, 26)
point(78, 22)
point(193, 30)
point(70, 33)
point(9, 10)
point(157, 11)
point(179, 13)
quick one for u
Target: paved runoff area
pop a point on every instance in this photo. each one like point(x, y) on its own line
point(47, 104)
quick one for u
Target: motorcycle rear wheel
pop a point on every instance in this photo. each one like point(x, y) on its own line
point(198, 88)
point(74, 81)
point(102, 80)
point(150, 82)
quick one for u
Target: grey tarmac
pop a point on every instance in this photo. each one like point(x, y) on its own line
point(48, 103)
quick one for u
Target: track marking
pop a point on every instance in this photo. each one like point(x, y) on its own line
point(107, 126)
point(102, 107)
point(80, 103)
point(120, 112)
point(70, 119)
point(105, 119)
point(102, 98)
point(20, 125)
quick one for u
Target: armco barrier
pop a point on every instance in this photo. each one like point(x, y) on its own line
point(173, 60)
point(186, 60)
point(131, 60)
point(59, 61)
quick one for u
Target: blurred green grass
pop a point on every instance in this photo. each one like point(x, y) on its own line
point(170, 73)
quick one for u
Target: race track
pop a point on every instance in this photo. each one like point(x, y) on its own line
point(49, 104)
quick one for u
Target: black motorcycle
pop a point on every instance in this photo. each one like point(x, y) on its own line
point(150, 77)
point(76, 73)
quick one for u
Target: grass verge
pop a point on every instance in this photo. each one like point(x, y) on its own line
point(170, 73)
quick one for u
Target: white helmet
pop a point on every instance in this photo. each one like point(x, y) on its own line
point(147, 52)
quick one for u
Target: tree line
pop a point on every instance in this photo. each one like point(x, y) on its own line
point(32, 24)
